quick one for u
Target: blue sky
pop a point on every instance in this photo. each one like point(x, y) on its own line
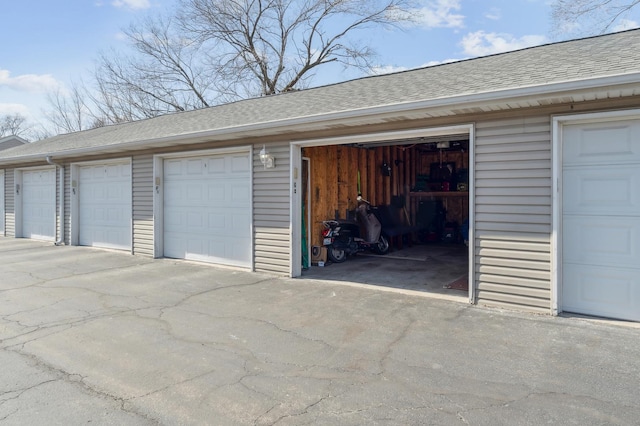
point(48, 43)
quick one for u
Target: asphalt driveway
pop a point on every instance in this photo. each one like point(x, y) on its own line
point(91, 336)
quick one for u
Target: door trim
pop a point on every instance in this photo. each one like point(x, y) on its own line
point(557, 124)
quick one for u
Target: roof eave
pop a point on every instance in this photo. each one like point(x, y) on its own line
point(313, 122)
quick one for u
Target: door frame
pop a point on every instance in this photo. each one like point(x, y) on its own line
point(74, 193)
point(557, 124)
point(295, 269)
point(158, 192)
point(18, 210)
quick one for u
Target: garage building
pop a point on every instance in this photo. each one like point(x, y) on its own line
point(547, 137)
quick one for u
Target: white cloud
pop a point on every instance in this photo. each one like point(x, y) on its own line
point(625, 24)
point(386, 69)
point(438, 14)
point(132, 4)
point(481, 43)
point(444, 61)
point(32, 83)
point(10, 109)
point(494, 14)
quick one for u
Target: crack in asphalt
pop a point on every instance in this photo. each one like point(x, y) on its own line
point(302, 412)
point(329, 364)
point(73, 379)
point(44, 280)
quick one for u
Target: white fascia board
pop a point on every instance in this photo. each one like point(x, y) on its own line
point(299, 123)
point(462, 101)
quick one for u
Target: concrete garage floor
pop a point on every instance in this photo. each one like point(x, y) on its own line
point(425, 268)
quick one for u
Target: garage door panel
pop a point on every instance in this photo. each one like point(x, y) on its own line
point(601, 219)
point(104, 206)
point(609, 190)
point(601, 143)
point(39, 204)
point(207, 202)
point(239, 193)
point(172, 168)
point(194, 192)
point(216, 166)
point(602, 291)
point(195, 167)
point(240, 164)
point(602, 240)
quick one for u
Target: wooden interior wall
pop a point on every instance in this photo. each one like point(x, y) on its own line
point(334, 179)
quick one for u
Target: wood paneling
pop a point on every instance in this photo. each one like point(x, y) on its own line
point(334, 179)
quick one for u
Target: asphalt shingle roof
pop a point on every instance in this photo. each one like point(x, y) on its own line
point(582, 59)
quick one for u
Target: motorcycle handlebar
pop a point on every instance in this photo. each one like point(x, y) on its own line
point(362, 200)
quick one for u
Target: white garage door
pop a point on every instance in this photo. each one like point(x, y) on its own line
point(39, 204)
point(104, 205)
point(601, 219)
point(207, 209)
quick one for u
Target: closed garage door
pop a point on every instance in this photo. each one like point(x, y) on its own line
point(39, 204)
point(207, 209)
point(601, 219)
point(104, 205)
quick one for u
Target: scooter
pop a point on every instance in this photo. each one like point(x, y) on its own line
point(344, 237)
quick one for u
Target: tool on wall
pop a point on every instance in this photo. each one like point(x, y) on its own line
point(385, 169)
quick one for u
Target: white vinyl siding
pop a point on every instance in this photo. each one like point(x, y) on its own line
point(271, 211)
point(513, 213)
point(143, 205)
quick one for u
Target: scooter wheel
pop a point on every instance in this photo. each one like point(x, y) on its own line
point(336, 255)
point(382, 246)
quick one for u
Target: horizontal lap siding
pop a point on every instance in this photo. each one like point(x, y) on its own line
point(513, 213)
point(2, 208)
point(143, 205)
point(67, 204)
point(58, 201)
point(271, 214)
point(9, 203)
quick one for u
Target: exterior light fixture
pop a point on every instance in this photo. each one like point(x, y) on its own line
point(267, 159)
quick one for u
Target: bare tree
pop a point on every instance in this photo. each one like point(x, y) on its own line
point(166, 73)
point(215, 51)
point(591, 16)
point(70, 111)
point(13, 124)
point(264, 47)
point(19, 125)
